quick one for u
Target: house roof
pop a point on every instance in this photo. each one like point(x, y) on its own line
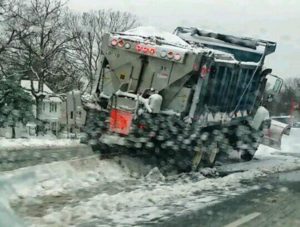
point(50, 95)
point(27, 85)
point(52, 99)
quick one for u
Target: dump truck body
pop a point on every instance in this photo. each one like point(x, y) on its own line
point(187, 93)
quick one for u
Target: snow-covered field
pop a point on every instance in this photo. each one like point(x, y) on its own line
point(124, 192)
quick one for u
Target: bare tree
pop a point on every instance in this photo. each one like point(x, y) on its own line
point(88, 28)
point(289, 96)
point(41, 52)
point(7, 34)
point(292, 83)
point(9, 22)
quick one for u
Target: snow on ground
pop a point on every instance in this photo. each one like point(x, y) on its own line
point(153, 200)
point(39, 142)
point(291, 143)
point(290, 146)
point(159, 198)
point(150, 200)
point(140, 198)
point(65, 176)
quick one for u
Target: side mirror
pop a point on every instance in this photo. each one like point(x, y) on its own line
point(277, 86)
point(274, 84)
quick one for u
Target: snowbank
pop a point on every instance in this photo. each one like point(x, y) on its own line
point(53, 179)
point(16, 144)
point(291, 143)
point(161, 197)
point(65, 176)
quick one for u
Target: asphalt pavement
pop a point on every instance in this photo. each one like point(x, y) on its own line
point(275, 202)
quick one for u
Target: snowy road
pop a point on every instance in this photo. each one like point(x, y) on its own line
point(124, 192)
point(275, 202)
point(14, 159)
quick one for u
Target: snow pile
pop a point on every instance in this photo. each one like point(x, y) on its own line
point(155, 175)
point(57, 179)
point(291, 143)
point(8, 218)
point(24, 143)
point(290, 147)
point(150, 201)
point(157, 198)
point(61, 177)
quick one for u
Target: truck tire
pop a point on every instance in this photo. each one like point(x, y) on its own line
point(251, 142)
point(93, 129)
point(246, 155)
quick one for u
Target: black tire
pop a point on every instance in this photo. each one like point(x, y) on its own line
point(246, 156)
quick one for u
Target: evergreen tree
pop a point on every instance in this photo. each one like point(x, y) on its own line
point(15, 105)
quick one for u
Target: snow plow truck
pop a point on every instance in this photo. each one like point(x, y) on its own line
point(187, 99)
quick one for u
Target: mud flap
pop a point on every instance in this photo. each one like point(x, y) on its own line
point(273, 135)
point(211, 153)
point(120, 121)
point(212, 156)
point(197, 158)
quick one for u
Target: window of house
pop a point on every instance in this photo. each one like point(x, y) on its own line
point(79, 114)
point(53, 126)
point(71, 114)
point(53, 107)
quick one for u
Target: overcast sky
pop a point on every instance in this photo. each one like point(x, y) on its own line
point(275, 20)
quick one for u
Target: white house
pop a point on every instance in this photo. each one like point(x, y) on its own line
point(73, 115)
point(51, 113)
point(52, 106)
point(60, 113)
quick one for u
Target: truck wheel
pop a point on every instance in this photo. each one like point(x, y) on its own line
point(248, 150)
point(246, 155)
point(248, 140)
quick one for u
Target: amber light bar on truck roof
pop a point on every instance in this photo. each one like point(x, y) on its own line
point(168, 53)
